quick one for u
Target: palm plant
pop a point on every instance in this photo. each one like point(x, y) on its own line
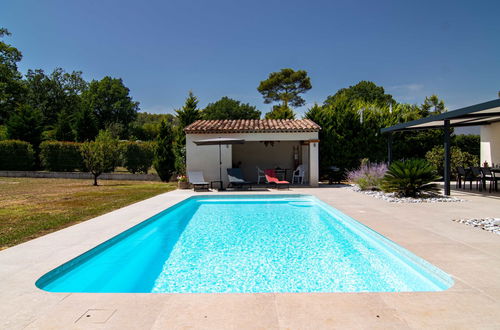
point(410, 178)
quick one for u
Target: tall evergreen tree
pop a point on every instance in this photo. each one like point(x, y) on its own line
point(85, 125)
point(26, 124)
point(164, 158)
point(63, 127)
point(187, 115)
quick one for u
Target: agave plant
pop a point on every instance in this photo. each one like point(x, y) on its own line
point(410, 178)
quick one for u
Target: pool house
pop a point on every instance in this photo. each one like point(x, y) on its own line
point(268, 144)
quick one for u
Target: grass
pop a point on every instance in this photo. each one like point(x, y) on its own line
point(31, 207)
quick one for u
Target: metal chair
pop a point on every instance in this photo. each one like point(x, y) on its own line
point(260, 175)
point(463, 175)
point(487, 175)
point(477, 176)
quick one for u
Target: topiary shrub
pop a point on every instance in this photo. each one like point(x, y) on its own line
point(61, 156)
point(410, 178)
point(137, 156)
point(16, 155)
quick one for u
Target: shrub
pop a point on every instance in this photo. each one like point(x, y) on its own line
point(61, 156)
point(101, 155)
point(470, 142)
point(458, 158)
point(410, 178)
point(368, 175)
point(16, 155)
point(3, 133)
point(137, 156)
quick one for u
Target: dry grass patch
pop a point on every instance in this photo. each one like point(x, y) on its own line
point(31, 207)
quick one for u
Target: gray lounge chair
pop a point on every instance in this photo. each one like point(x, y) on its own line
point(197, 180)
point(236, 179)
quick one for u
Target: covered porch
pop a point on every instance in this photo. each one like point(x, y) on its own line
point(486, 115)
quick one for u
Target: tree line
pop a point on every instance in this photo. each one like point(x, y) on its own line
point(40, 106)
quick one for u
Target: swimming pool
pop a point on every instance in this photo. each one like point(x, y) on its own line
point(247, 243)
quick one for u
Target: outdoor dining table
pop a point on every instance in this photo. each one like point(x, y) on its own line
point(493, 170)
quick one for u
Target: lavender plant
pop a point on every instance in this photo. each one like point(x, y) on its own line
point(368, 176)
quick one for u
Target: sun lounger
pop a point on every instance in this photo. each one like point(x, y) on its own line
point(236, 179)
point(273, 179)
point(197, 180)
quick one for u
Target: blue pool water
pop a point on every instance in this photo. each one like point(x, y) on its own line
point(279, 243)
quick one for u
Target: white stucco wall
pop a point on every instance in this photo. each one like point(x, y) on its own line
point(490, 143)
point(206, 158)
point(314, 159)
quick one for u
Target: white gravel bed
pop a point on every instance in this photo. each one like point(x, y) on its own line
point(392, 198)
point(488, 224)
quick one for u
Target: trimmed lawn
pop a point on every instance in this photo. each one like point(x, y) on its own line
point(32, 207)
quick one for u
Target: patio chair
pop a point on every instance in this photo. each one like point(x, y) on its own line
point(462, 175)
point(299, 174)
point(490, 177)
point(260, 175)
point(197, 180)
point(271, 178)
point(476, 175)
point(236, 179)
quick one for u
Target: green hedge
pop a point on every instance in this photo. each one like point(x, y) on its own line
point(137, 157)
point(16, 155)
point(61, 156)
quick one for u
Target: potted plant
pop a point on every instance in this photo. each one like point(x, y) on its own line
point(182, 182)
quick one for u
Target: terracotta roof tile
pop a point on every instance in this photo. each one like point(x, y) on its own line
point(252, 126)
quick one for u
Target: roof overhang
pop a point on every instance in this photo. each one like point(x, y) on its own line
point(217, 141)
point(474, 115)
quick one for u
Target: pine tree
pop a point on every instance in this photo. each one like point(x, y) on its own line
point(63, 129)
point(280, 112)
point(187, 115)
point(26, 124)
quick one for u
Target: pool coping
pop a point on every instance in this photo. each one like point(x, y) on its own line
point(29, 306)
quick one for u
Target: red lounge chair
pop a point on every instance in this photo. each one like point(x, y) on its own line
point(272, 179)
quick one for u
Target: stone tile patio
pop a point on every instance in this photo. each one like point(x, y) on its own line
point(470, 255)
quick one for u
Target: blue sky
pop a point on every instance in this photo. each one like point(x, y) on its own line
point(163, 49)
